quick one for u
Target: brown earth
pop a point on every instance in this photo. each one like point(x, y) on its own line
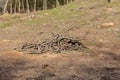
point(100, 65)
point(101, 62)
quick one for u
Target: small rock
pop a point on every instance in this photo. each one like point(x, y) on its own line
point(46, 14)
point(104, 41)
point(45, 66)
point(107, 25)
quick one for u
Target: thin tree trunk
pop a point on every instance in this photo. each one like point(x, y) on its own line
point(5, 7)
point(44, 4)
point(11, 7)
point(23, 7)
point(19, 8)
point(15, 7)
point(35, 6)
point(57, 3)
point(28, 7)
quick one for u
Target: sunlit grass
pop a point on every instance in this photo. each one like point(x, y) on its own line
point(64, 13)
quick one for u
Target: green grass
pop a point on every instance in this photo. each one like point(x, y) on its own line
point(119, 35)
point(4, 25)
point(64, 13)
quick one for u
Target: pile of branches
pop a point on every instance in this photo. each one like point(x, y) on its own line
point(57, 45)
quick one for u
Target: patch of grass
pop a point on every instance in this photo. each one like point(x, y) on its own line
point(119, 35)
point(7, 21)
point(4, 25)
point(91, 43)
point(32, 22)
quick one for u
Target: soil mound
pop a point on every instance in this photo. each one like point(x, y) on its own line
point(57, 45)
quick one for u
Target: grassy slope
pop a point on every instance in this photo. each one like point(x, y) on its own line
point(64, 13)
point(76, 15)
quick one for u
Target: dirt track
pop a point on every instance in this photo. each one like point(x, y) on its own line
point(102, 63)
point(99, 64)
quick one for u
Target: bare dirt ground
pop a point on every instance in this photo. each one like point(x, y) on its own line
point(101, 62)
point(98, 65)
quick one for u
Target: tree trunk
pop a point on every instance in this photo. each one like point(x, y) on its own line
point(11, 7)
point(57, 3)
point(5, 6)
point(35, 5)
point(15, 6)
point(23, 6)
point(28, 8)
point(44, 4)
point(19, 8)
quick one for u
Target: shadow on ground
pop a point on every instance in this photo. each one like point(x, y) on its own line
point(101, 65)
